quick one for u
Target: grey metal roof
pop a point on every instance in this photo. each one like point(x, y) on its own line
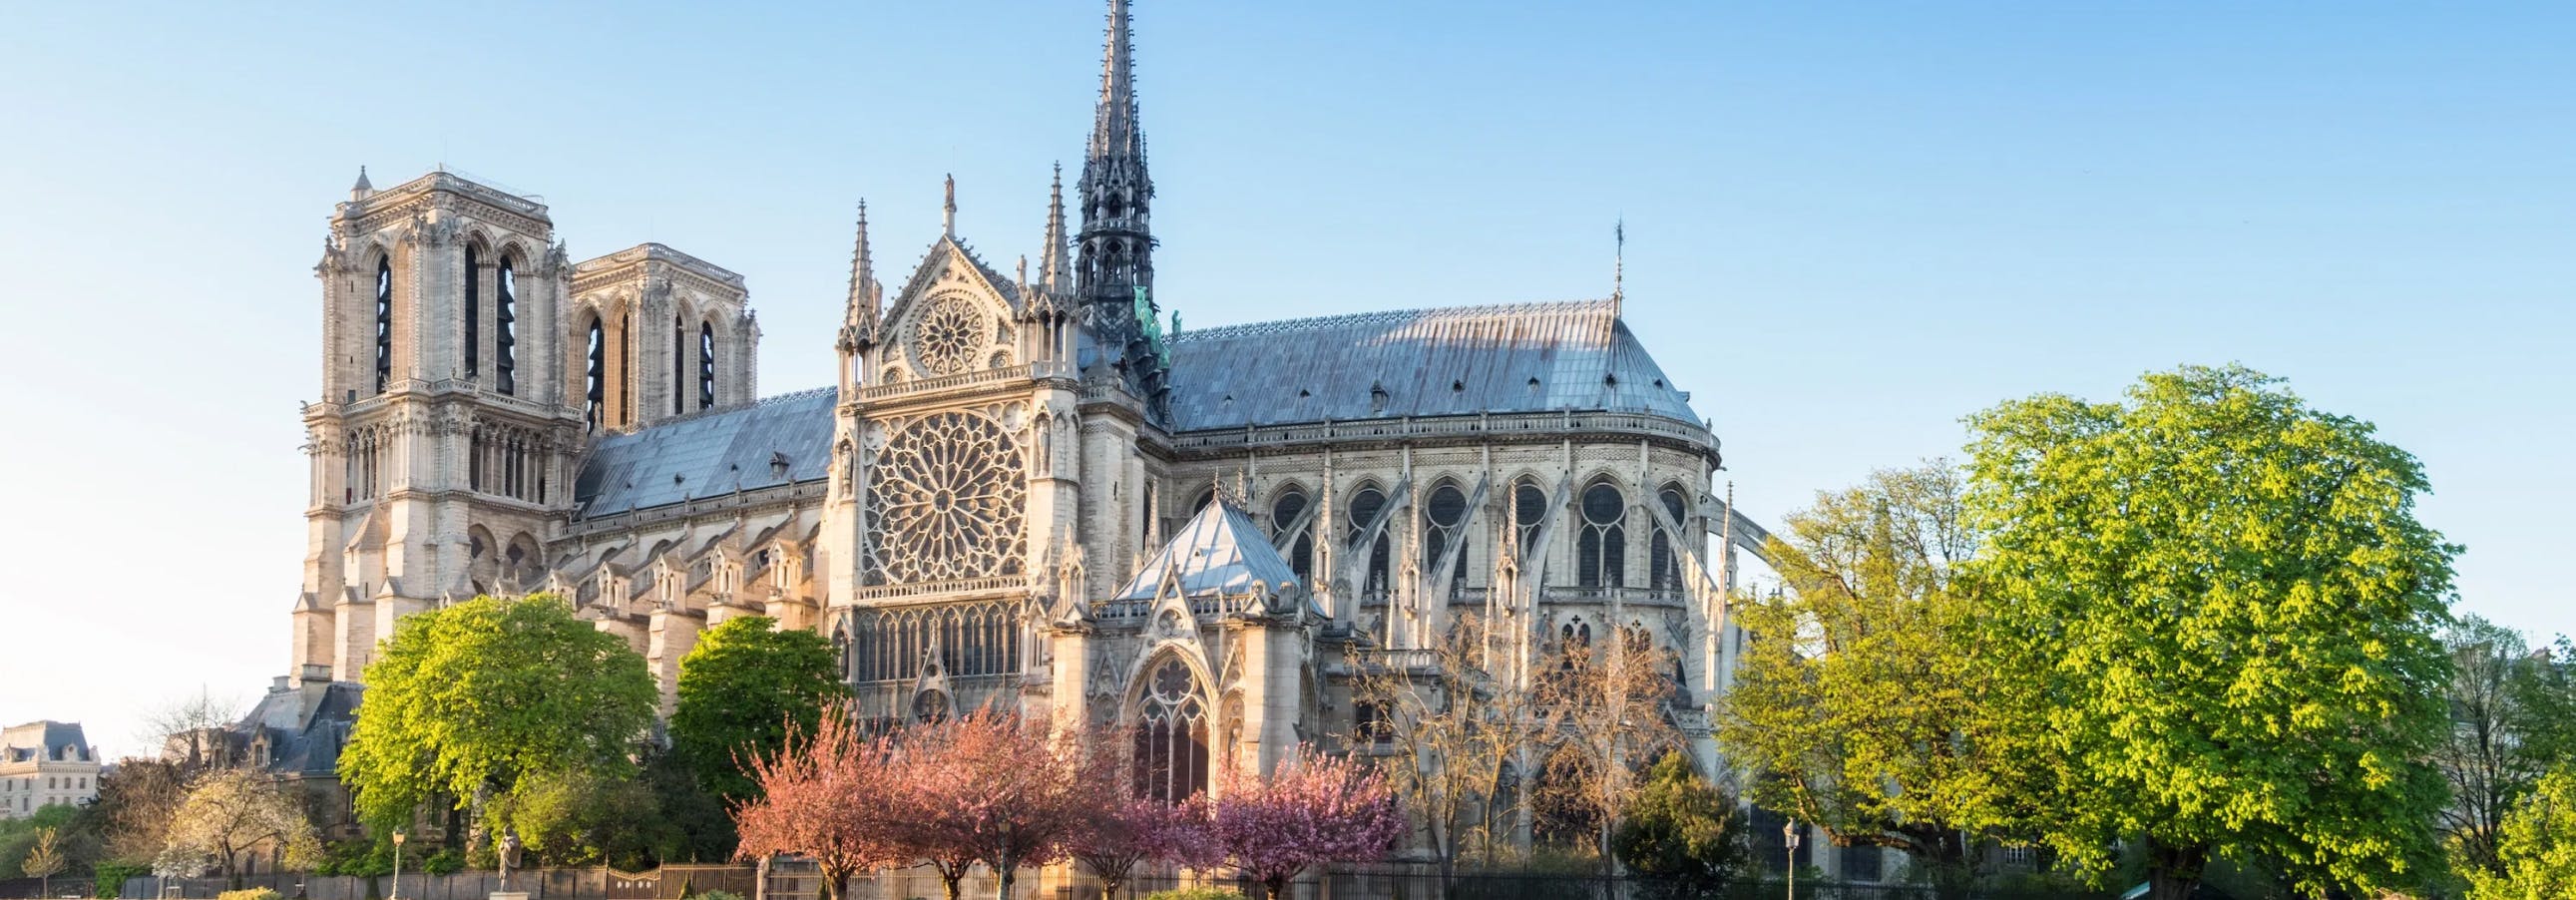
point(1537, 357)
point(1219, 552)
point(709, 453)
point(44, 738)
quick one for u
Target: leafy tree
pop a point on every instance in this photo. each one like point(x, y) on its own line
point(996, 790)
point(2538, 849)
point(2225, 612)
point(229, 813)
point(744, 686)
point(45, 860)
point(490, 697)
point(2544, 692)
point(695, 825)
point(1680, 832)
point(581, 818)
point(1313, 810)
point(2485, 757)
point(1859, 701)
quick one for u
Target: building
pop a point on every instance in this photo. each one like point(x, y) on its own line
point(1024, 488)
point(44, 763)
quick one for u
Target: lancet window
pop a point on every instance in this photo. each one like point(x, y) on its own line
point(972, 639)
point(505, 329)
point(679, 366)
point(384, 323)
point(508, 462)
point(595, 377)
point(1444, 525)
point(1171, 761)
point(1601, 549)
point(1663, 563)
point(706, 365)
point(473, 314)
point(1529, 507)
point(1284, 511)
point(1365, 504)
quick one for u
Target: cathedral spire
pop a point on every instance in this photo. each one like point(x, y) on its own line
point(1051, 259)
point(862, 311)
point(1116, 132)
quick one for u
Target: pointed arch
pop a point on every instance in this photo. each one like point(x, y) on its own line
point(1367, 499)
point(1171, 721)
point(473, 283)
point(1601, 545)
point(384, 321)
point(505, 322)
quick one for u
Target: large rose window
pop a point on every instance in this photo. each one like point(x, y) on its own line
point(945, 498)
point(945, 339)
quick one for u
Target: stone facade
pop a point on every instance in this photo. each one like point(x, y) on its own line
point(45, 763)
point(1023, 489)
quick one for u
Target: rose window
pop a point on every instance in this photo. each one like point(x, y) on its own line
point(945, 499)
point(946, 338)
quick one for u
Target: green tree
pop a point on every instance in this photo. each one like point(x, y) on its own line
point(45, 860)
point(2225, 613)
point(1680, 832)
point(2544, 694)
point(2538, 849)
point(1859, 702)
point(742, 690)
point(490, 697)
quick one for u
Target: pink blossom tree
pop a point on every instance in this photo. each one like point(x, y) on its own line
point(1313, 810)
point(1129, 831)
point(995, 789)
point(823, 798)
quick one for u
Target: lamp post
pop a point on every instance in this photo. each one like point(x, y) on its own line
point(1789, 836)
point(398, 839)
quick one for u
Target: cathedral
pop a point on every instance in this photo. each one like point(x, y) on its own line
point(1027, 488)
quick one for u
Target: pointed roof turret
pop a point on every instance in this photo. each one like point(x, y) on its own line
point(1115, 133)
point(1051, 260)
point(1219, 553)
point(861, 315)
point(948, 210)
point(363, 189)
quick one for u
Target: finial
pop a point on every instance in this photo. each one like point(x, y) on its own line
point(363, 188)
point(948, 211)
point(862, 305)
point(1051, 259)
point(1618, 262)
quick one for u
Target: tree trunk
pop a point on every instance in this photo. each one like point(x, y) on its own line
point(949, 882)
point(1003, 876)
point(2173, 872)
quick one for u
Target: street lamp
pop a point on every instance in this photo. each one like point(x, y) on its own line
point(398, 839)
point(1789, 836)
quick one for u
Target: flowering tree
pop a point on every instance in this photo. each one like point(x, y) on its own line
point(1127, 831)
point(1313, 810)
point(230, 812)
point(824, 798)
point(996, 789)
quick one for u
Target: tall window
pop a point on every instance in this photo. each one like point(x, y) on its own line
point(706, 365)
point(1529, 506)
point(505, 329)
point(1365, 505)
point(473, 314)
point(384, 322)
point(1444, 520)
point(595, 381)
point(625, 380)
point(1602, 549)
point(1171, 736)
point(1664, 568)
point(679, 366)
point(1284, 511)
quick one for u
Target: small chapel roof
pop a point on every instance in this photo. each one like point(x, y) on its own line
point(1220, 552)
point(1514, 358)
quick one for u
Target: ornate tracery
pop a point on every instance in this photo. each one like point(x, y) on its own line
point(1171, 759)
point(947, 336)
point(944, 501)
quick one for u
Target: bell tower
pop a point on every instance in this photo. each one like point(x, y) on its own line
point(442, 440)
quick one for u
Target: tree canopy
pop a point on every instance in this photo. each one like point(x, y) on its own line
point(2225, 612)
point(744, 687)
point(2537, 852)
point(1680, 832)
point(490, 697)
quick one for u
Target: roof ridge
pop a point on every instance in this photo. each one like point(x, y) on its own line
point(1317, 323)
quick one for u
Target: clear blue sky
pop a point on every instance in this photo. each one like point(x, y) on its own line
point(1848, 226)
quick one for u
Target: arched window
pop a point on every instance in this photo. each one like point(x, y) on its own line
point(1171, 735)
point(1601, 550)
point(1444, 520)
point(473, 314)
point(1284, 511)
point(1529, 506)
point(626, 338)
point(384, 322)
point(595, 387)
point(706, 365)
point(505, 329)
point(1663, 565)
point(1365, 504)
point(679, 366)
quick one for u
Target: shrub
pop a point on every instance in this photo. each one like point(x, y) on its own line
point(1196, 893)
point(719, 895)
point(111, 878)
point(252, 894)
point(446, 861)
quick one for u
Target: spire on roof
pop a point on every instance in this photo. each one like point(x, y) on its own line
point(1051, 259)
point(1115, 132)
point(863, 277)
point(1618, 263)
point(362, 190)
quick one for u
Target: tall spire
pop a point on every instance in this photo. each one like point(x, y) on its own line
point(948, 210)
point(863, 306)
point(1618, 264)
point(1116, 132)
point(1051, 259)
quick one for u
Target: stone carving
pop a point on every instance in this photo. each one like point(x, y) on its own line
point(945, 501)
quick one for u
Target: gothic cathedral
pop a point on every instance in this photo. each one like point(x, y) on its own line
point(1027, 489)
